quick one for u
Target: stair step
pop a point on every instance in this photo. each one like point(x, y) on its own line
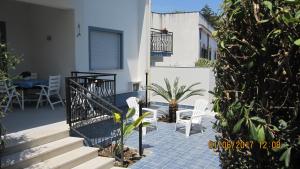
point(97, 163)
point(16, 142)
point(69, 159)
point(40, 153)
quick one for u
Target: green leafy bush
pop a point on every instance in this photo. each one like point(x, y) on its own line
point(257, 94)
point(128, 126)
point(8, 61)
point(202, 62)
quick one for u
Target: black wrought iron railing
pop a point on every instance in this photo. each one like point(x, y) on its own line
point(102, 84)
point(90, 108)
point(161, 42)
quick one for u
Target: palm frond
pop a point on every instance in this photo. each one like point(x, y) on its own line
point(197, 92)
point(190, 87)
point(160, 91)
point(169, 90)
point(175, 87)
point(175, 93)
point(180, 92)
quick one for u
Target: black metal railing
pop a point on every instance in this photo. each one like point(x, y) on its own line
point(161, 42)
point(102, 84)
point(90, 99)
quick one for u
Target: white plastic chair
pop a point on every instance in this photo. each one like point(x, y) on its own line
point(200, 107)
point(132, 102)
point(51, 90)
point(8, 93)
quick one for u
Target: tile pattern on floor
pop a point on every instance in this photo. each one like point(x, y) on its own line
point(172, 150)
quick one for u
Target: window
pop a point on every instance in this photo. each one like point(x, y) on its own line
point(105, 49)
point(200, 34)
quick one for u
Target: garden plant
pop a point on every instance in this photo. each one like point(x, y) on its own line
point(8, 61)
point(128, 126)
point(257, 94)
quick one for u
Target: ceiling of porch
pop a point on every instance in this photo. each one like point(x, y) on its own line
point(61, 4)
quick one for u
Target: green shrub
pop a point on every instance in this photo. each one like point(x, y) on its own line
point(8, 61)
point(202, 62)
point(257, 94)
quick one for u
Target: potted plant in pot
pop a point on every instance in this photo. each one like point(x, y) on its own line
point(174, 94)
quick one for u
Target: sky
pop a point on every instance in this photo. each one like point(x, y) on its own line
point(184, 5)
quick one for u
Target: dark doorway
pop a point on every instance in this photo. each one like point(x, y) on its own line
point(2, 32)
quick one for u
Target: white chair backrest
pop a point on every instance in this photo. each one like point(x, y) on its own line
point(199, 108)
point(133, 103)
point(54, 84)
point(3, 87)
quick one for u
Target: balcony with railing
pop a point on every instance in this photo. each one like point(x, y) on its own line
point(90, 108)
point(161, 43)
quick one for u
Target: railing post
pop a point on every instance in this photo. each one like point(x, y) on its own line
point(140, 130)
point(146, 99)
point(68, 100)
point(114, 92)
point(122, 139)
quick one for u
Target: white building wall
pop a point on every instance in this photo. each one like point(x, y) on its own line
point(131, 18)
point(15, 16)
point(186, 38)
point(28, 27)
point(56, 55)
point(187, 76)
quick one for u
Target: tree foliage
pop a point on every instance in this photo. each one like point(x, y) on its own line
point(8, 61)
point(202, 62)
point(257, 94)
point(210, 15)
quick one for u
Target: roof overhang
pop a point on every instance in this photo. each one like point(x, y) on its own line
point(60, 4)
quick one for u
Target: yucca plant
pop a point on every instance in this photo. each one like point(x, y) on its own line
point(128, 126)
point(174, 94)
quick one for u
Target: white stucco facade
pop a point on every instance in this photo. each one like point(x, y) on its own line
point(191, 34)
point(132, 19)
point(53, 36)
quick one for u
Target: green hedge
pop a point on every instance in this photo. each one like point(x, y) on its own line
point(202, 62)
point(257, 94)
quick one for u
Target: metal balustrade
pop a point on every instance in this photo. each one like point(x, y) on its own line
point(90, 107)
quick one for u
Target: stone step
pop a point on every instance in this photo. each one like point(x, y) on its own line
point(69, 159)
point(16, 142)
point(97, 163)
point(40, 153)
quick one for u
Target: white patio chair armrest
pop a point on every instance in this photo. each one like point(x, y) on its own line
point(152, 111)
point(185, 110)
point(178, 112)
point(12, 87)
point(192, 117)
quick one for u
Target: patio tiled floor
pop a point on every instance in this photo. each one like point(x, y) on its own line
point(172, 150)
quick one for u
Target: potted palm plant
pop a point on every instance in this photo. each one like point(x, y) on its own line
point(174, 94)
